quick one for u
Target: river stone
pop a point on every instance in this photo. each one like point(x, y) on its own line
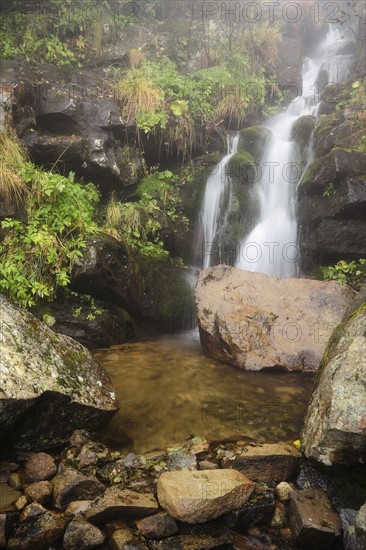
point(157, 526)
point(257, 321)
point(81, 534)
point(126, 539)
point(121, 503)
point(38, 532)
point(256, 511)
point(267, 462)
point(7, 522)
point(335, 424)
point(360, 527)
point(50, 384)
point(39, 467)
point(39, 492)
point(313, 523)
point(70, 485)
point(196, 497)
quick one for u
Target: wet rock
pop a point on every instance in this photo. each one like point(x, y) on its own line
point(121, 503)
point(257, 511)
point(33, 509)
point(21, 503)
point(6, 468)
point(126, 539)
point(158, 526)
point(256, 321)
point(283, 491)
point(196, 497)
point(194, 542)
point(348, 520)
point(70, 485)
point(360, 527)
point(207, 465)
point(7, 522)
point(38, 532)
point(39, 492)
point(267, 462)
point(77, 507)
point(312, 520)
point(39, 467)
point(335, 424)
point(15, 481)
point(253, 140)
point(279, 519)
point(51, 384)
point(249, 542)
point(81, 534)
point(181, 460)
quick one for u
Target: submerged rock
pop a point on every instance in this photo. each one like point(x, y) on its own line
point(256, 321)
point(50, 384)
point(196, 497)
point(335, 425)
point(38, 531)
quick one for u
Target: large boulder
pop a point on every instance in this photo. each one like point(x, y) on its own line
point(50, 384)
point(335, 425)
point(256, 321)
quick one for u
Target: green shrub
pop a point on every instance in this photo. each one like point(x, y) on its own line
point(37, 255)
point(352, 273)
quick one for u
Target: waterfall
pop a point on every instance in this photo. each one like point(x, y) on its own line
point(213, 210)
point(271, 247)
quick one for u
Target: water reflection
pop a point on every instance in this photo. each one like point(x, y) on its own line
point(168, 389)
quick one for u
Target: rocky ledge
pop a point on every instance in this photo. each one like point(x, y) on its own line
point(194, 496)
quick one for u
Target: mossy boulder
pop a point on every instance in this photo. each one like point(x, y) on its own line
point(332, 169)
point(334, 430)
point(253, 140)
point(241, 168)
point(302, 129)
point(50, 384)
point(324, 139)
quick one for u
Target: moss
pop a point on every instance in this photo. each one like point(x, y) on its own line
point(302, 129)
point(324, 127)
point(241, 167)
point(253, 140)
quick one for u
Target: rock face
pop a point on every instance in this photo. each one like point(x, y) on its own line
point(255, 321)
point(196, 497)
point(50, 384)
point(335, 425)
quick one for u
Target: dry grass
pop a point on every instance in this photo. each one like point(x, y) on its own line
point(135, 57)
point(13, 156)
point(138, 95)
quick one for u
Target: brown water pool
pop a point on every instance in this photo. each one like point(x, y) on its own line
point(167, 389)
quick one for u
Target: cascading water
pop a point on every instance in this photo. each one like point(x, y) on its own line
point(213, 212)
point(271, 247)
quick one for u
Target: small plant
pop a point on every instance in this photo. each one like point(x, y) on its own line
point(352, 273)
point(330, 191)
point(13, 157)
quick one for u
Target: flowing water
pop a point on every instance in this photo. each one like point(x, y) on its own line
point(271, 247)
point(168, 389)
point(214, 210)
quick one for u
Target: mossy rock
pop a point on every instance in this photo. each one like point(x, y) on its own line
point(253, 139)
point(241, 168)
point(331, 169)
point(326, 124)
point(302, 129)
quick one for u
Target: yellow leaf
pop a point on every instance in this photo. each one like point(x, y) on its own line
point(297, 444)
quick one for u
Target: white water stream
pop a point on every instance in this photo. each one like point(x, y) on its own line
point(271, 247)
point(213, 214)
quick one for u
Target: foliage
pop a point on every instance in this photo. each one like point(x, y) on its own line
point(63, 32)
point(139, 223)
point(352, 273)
point(37, 255)
point(13, 155)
